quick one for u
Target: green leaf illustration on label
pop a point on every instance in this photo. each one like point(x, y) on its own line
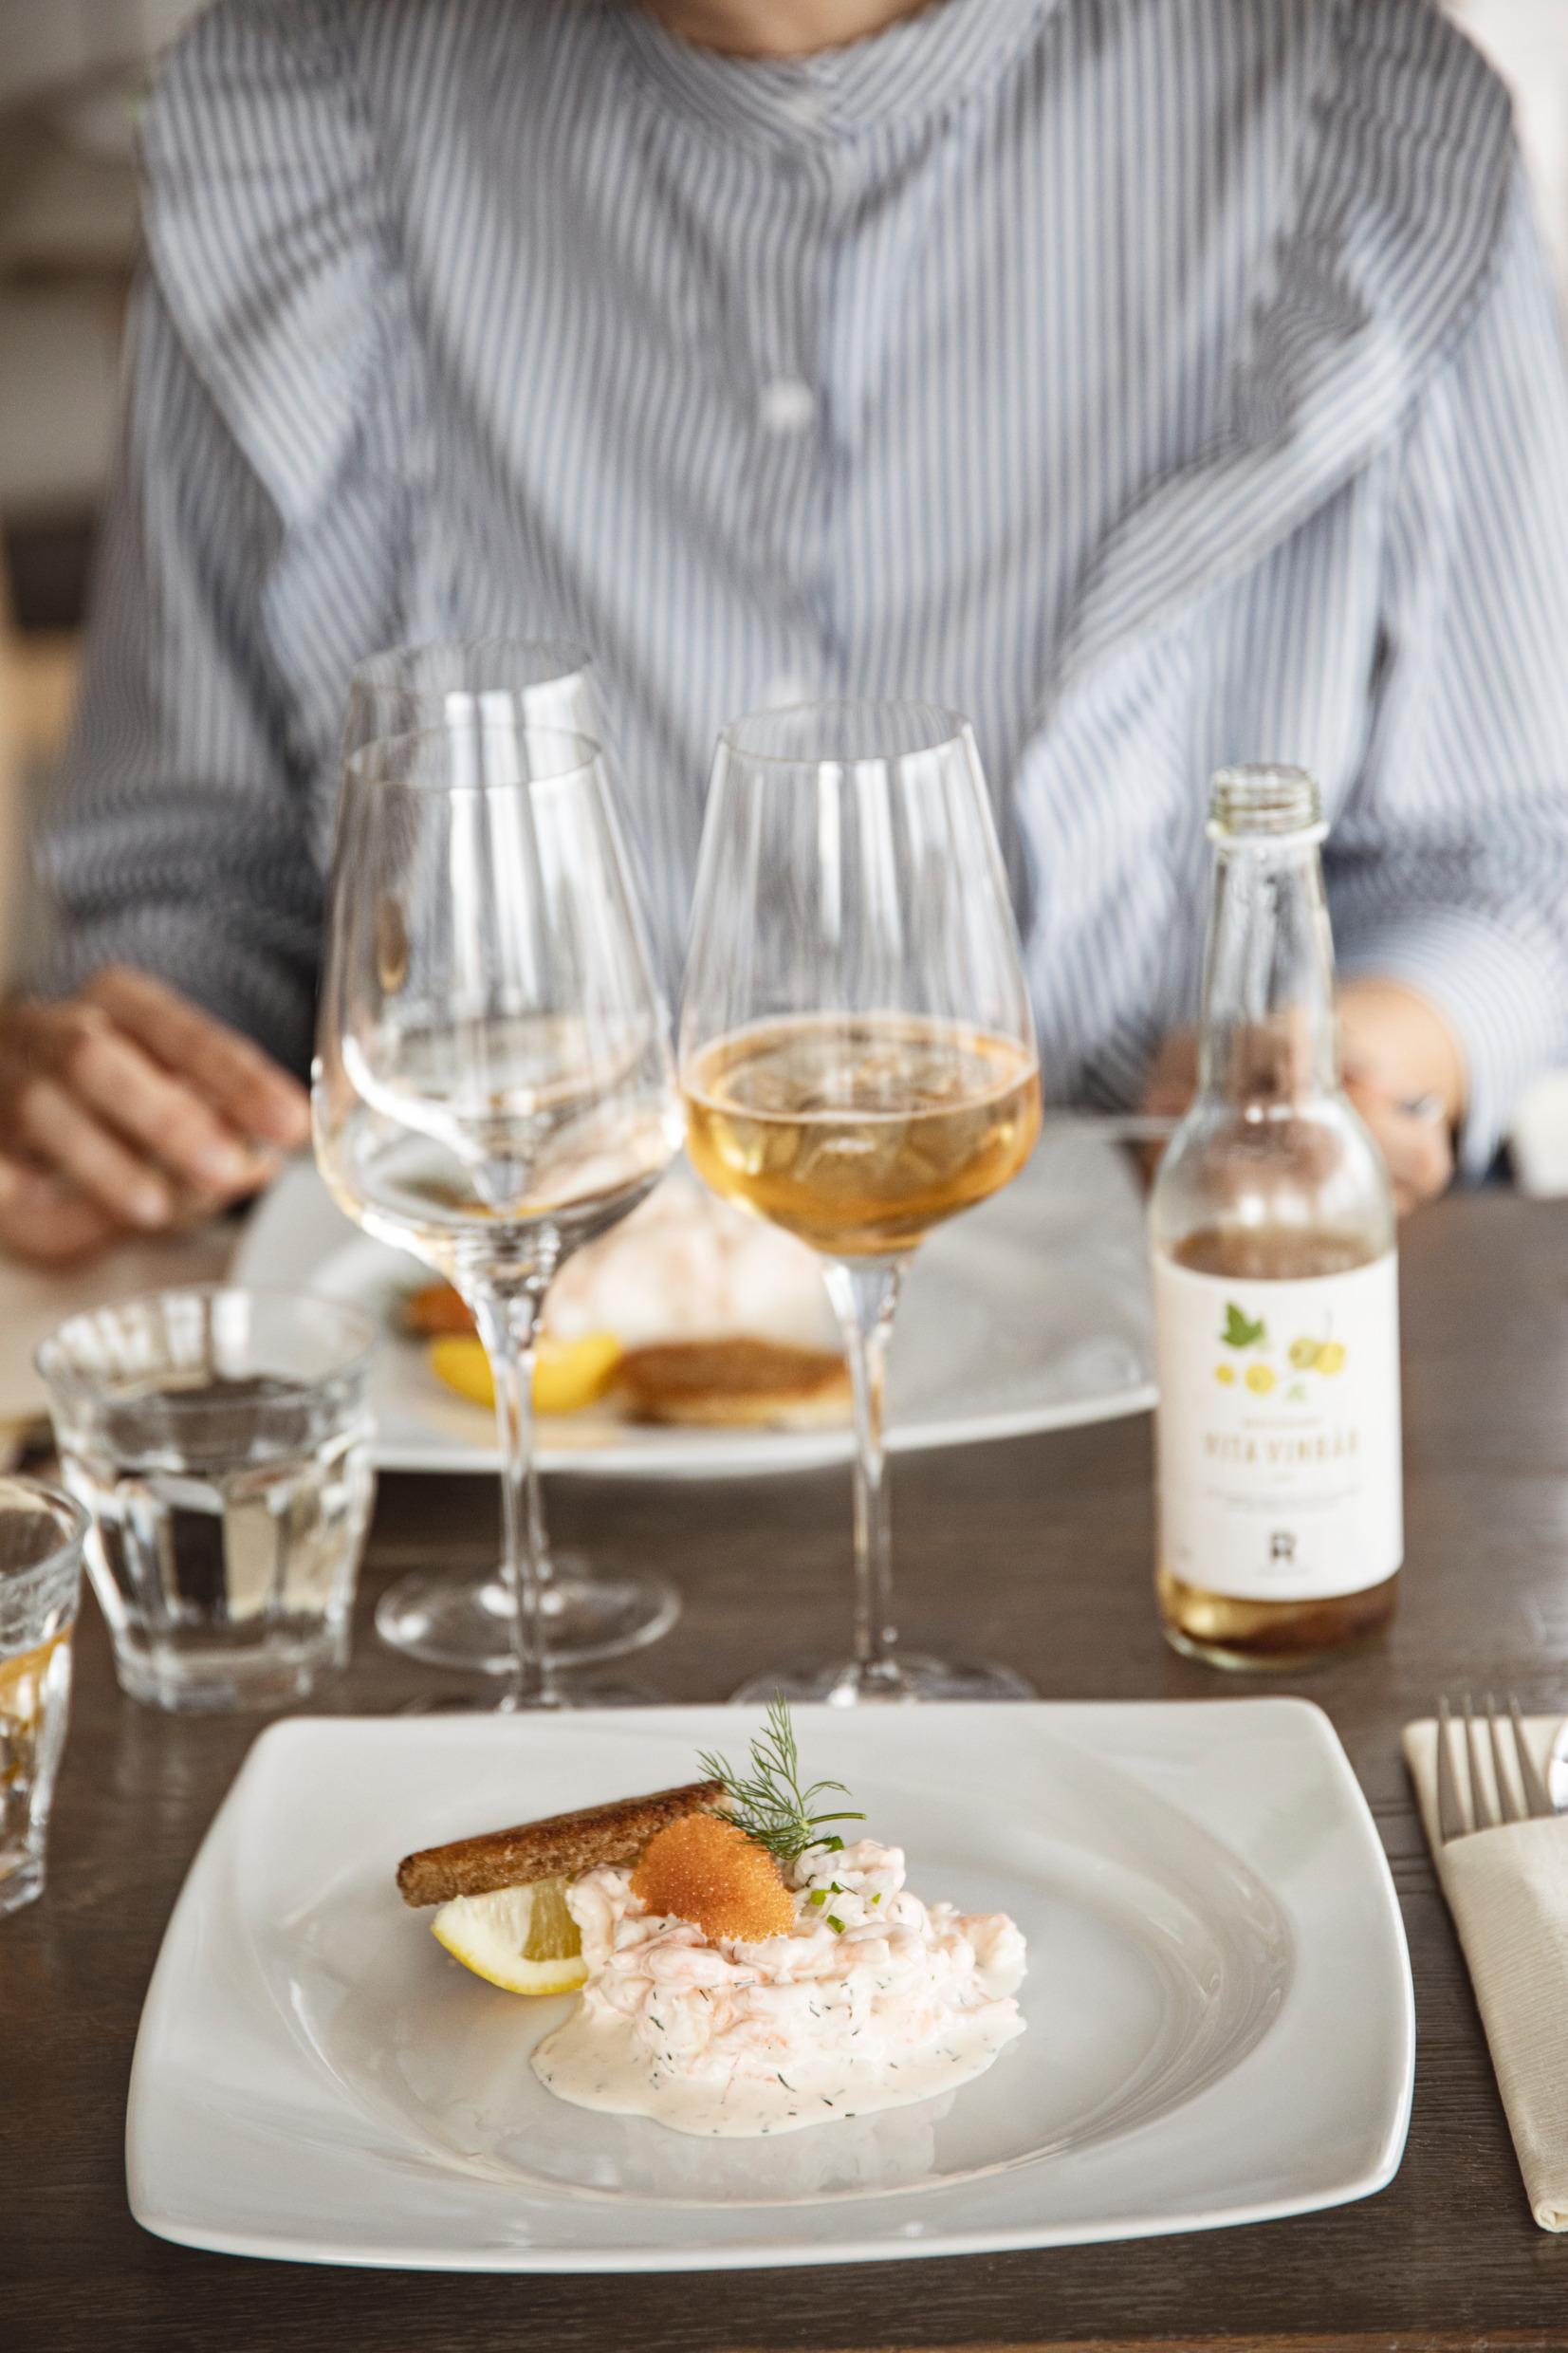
point(1240, 1330)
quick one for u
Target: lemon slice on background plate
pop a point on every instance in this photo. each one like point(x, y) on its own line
point(523, 1938)
point(567, 1374)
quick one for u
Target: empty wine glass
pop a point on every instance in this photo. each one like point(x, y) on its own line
point(492, 1084)
point(856, 1052)
point(592, 1612)
point(469, 681)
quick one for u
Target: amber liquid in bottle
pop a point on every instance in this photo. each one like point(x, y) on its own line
point(1272, 1228)
point(1222, 1627)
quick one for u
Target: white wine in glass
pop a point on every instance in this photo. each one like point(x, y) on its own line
point(857, 1053)
point(593, 1611)
point(860, 1135)
point(492, 1084)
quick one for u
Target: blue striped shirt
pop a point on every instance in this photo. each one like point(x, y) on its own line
point(1163, 382)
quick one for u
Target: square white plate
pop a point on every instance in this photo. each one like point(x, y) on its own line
point(1220, 2020)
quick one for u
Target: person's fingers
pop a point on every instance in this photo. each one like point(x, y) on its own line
point(64, 1134)
point(246, 1086)
point(1173, 1075)
point(1419, 1168)
point(137, 1098)
point(1416, 1145)
point(1167, 1090)
point(45, 1225)
point(78, 1044)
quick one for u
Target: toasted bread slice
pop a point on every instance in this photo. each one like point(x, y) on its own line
point(720, 1383)
point(434, 1312)
point(561, 1848)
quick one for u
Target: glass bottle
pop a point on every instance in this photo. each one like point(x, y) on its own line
point(1272, 1225)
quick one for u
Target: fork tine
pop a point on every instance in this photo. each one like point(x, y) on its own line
point(1451, 1822)
point(1536, 1796)
point(1508, 1804)
point(1480, 1805)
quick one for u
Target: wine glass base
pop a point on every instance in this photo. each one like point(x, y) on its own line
point(912, 1677)
point(573, 1694)
point(465, 1623)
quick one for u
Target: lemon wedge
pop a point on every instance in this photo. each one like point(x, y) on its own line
point(567, 1374)
point(523, 1938)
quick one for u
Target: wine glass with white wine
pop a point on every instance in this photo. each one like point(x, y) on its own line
point(857, 1053)
point(492, 1084)
point(592, 1611)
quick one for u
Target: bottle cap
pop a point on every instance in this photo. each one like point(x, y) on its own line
point(1264, 805)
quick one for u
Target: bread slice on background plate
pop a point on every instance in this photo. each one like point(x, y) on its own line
point(733, 1384)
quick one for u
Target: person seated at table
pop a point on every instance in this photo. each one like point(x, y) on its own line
point(1162, 386)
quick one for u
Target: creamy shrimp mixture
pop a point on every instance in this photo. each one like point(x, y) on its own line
point(687, 1266)
point(871, 1999)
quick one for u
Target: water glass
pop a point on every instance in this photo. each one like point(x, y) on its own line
point(220, 1439)
point(41, 1536)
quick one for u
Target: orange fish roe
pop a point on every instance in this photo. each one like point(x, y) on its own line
point(707, 1870)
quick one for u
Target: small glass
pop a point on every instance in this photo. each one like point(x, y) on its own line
point(41, 1538)
point(220, 1439)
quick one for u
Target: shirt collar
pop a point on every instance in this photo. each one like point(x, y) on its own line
point(912, 69)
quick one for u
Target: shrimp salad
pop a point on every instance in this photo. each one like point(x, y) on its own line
point(869, 1999)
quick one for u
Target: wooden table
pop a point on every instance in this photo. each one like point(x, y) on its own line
point(1448, 2257)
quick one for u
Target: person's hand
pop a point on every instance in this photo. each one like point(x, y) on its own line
point(1402, 1069)
point(1404, 1073)
point(125, 1109)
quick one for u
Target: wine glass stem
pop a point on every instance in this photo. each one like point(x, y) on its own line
point(865, 1293)
point(507, 1322)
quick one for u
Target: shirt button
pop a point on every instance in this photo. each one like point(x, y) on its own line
point(783, 692)
point(788, 406)
point(804, 105)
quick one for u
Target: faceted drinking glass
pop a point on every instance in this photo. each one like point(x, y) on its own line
point(221, 1441)
point(41, 1538)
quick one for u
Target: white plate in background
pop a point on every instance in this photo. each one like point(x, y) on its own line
point(1031, 1313)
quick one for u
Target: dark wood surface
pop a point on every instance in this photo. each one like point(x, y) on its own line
point(1054, 1538)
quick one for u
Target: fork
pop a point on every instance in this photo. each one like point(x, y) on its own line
point(1460, 1816)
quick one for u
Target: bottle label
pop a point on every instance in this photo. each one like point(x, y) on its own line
point(1279, 1432)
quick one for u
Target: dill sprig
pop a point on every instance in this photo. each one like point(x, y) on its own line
point(768, 1801)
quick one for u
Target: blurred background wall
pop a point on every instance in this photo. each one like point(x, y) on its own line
point(71, 72)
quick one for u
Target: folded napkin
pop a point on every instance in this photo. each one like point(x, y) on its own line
point(35, 1300)
point(1507, 1890)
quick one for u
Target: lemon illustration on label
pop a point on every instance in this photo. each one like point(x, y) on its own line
point(1331, 1357)
point(1304, 1353)
point(1226, 1374)
point(1260, 1378)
